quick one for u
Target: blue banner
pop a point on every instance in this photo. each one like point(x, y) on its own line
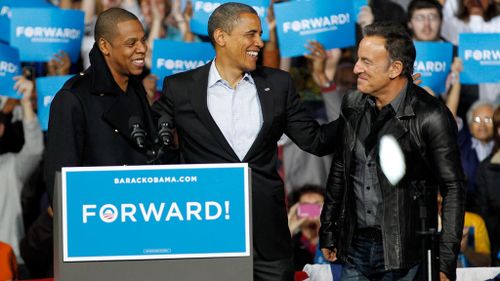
point(331, 24)
point(40, 37)
point(203, 9)
point(433, 61)
point(46, 88)
point(9, 67)
point(155, 212)
point(170, 57)
point(480, 54)
point(5, 14)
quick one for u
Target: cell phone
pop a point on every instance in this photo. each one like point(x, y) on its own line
point(309, 210)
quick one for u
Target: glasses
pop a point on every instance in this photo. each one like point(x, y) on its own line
point(479, 120)
point(429, 17)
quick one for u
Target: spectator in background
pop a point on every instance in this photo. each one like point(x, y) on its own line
point(304, 226)
point(8, 264)
point(488, 191)
point(424, 20)
point(476, 143)
point(16, 168)
point(472, 16)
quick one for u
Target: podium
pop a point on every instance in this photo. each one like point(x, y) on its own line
point(163, 222)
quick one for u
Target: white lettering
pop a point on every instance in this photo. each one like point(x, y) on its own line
point(151, 210)
point(211, 216)
point(86, 213)
point(128, 210)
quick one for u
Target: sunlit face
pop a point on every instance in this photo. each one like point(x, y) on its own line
point(425, 24)
point(481, 126)
point(127, 50)
point(242, 45)
point(373, 65)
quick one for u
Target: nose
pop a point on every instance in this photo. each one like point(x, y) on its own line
point(258, 42)
point(357, 68)
point(142, 47)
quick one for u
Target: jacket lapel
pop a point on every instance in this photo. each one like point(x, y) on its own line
point(198, 95)
point(265, 92)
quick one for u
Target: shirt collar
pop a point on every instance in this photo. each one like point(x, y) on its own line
point(214, 77)
point(395, 103)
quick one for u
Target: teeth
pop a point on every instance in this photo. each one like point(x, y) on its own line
point(252, 53)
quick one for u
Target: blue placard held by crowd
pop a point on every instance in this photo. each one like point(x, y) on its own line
point(332, 24)
point(155, 212)
point(47, 88)
point(50, 31)
point(480, 54)
point(433, 61)
point(9, 67)
point(170, 57)
point(6, 5)
point(202, 9)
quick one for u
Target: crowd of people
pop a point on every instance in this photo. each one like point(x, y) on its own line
point(111, 77)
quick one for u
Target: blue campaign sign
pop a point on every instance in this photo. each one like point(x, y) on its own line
point(9, 67)
point(433, 61)
point(52, 30)
point(170, 57)
point(6, 5)
point(202, 9)
point(331, 24)
point(480, 53)
point(46, 88)
point(155, 212)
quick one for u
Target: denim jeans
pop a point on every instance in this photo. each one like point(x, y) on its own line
point(366, 263)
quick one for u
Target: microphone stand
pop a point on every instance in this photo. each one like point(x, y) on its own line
point(429, 236)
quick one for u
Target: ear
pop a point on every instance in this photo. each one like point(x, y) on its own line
point(104, 46)
point(396, 69)
point(220, 37)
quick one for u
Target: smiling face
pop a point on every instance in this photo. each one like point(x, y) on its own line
point(238, 49)
point(126, 52)
point(425, 24)
point(373, 66)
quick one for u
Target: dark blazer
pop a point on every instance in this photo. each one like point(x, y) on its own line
point(88, 124)
point(184, 101)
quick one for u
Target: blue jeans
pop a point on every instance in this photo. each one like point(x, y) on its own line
point(366, 263)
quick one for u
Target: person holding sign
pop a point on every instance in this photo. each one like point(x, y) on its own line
point(369, 222)
point(231, 111)
point(101, 116)
point(16, 168)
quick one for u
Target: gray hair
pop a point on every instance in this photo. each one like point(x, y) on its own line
point(225, 16)
point(477, 104)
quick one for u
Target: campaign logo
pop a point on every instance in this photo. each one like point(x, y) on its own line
point(42, 34)
point(317, 24)
point(176, 66)
point(426, 68)
point(7, 67)
point(483, 57)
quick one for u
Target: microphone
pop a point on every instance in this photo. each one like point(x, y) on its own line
point(136, 132)
point(164, 131)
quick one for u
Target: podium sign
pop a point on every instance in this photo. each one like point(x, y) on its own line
point(156, 217)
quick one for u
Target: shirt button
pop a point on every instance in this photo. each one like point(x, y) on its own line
point(369, 212)
point(116, 131)
point(367, 188)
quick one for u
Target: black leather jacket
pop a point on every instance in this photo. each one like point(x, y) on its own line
point(427, 134)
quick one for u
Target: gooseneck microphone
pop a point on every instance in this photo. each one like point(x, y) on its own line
point(137, 132)
point(164, 131)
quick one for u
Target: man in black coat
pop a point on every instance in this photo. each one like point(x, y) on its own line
point(231, 111)
point(369, 222)
point(91, 116)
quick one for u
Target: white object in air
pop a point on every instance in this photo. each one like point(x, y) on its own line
point(392, 160)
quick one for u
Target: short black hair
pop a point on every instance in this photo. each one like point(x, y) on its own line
point(105, 26)
point(226, 16)
point(305, 189)
point(424, 4)
point(398, 43)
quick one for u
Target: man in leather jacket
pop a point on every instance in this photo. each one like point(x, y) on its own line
point(367, 223)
